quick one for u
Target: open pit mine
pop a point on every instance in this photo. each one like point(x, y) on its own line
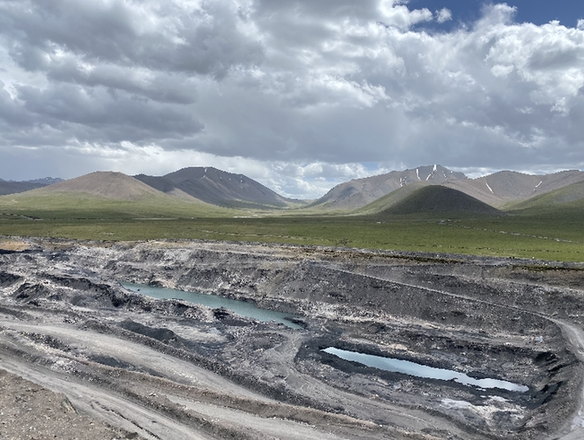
point(118, 340)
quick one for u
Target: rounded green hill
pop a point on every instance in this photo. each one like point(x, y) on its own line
point(440, 199)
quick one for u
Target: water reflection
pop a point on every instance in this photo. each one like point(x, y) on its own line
point(419, 370)
point(241, 308)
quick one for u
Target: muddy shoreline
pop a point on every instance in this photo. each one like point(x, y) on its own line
point(168, 369)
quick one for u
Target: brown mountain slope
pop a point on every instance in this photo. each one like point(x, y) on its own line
point(498, 190)
point(217, 187)
point(571, 196)
point(105, 184)
point(508, 187)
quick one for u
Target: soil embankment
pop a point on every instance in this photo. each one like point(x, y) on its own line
point(168, 369)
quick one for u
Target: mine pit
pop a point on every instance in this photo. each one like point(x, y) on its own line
point(248, 346)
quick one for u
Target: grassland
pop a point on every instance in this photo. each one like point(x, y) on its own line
point(556, 236)
point(63, 206)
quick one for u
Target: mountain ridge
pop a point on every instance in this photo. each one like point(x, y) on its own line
point(508, 187)
point(15, 187)
point(217, 187)
point(104, 184)
point(358, 193)
point(502, 189)
point(571, 196)
point(497, 189)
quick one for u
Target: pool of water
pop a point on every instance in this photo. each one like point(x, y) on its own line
point(240, 308)
point(419, 370)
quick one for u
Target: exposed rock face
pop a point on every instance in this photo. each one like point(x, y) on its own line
point(200, 373)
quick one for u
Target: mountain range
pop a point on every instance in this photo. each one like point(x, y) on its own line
point(11, 187)
point(103, 184)
point(431, 188)
point(499, 190)
point(360, 192)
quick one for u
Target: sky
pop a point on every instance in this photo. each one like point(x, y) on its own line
point(297, 94)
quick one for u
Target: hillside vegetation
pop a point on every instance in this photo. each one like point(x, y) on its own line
point(389, 200)
point(436, 199)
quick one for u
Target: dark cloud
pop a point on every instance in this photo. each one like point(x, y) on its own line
point(157, 35)
point(171, 88)
point(98, 115)
point(310, 88)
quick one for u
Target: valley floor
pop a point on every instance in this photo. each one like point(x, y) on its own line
point(79, 350)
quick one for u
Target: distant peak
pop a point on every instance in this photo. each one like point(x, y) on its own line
point(105, 174)
point(217, 187)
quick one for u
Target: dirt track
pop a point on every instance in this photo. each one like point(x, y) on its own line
point(164, 369)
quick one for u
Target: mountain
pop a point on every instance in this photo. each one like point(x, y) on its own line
point(509, 187)
point(436, 199)
point(360, 192)
point(389, 200)
point(498, 190)
point(503, 190)
point(106, 195)
point(571, 196)
point(11, 187)
point(164, 185)
point(45, 181)
point(104, 184)
point(217, 187)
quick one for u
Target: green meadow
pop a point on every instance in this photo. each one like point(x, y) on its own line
point(556, 235)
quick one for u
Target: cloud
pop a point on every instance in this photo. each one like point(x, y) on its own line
point(137, 80)
point(201, 37)
point(400, 16)
point(253, 85)
point(443, 15)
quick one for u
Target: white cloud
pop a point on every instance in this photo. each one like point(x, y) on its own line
point(443, 15)
point(400, 16)
point(497, 14)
